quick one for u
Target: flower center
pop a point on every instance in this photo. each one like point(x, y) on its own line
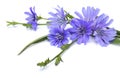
point(59, 36)
point(81, 30)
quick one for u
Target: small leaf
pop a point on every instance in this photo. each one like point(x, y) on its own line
point(42, 64)
point(12, 23)
point(38, 40)
point(58, 60)
point(47, 61)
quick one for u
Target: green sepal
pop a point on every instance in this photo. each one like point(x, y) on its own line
point(43, 64)
point(70, 16)
point(64, 47)
point(58, 60)
point(116, 41)
point(38, 40)
point(39, 17)
point(118, 32)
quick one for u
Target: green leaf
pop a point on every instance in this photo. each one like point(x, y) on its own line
point(42, 64)
point(116, 41)
point(47, 61)
point(12, 23)
point(58, 60)
point(38, 40)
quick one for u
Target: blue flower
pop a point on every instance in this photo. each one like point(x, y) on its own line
point(58, 37)
point(58, 19)
point(80, 31)
point(101, 32)
point(88, 14)
point(32, 18)
point(104, 36)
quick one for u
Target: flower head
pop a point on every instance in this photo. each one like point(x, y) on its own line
point(32, 18)
point(102, 34)
point(58, 18)
point(58, 37)
point(103, 37)
point(80, 31)
point(88, 14)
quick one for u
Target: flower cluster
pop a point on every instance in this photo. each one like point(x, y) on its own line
point(58, 35)
point(88, 24)
point(65, 29)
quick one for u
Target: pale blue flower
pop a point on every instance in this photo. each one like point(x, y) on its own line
point(58, 19)
point(80, 31)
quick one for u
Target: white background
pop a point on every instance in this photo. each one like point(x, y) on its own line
point(80, 61)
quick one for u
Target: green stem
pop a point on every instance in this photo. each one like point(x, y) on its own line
point(39, 18)
point(57, 56)
point(24, 24)
point(45, 18)
point(62, 51)
point(17, 23)
point(49, 61)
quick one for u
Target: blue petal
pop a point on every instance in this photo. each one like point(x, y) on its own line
point(34, 26)
point(84, 12)
point(107, 24)
point(79, 40)
point(52, 14)
point(79, 15)
point(27, 13)
point(100, 41)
